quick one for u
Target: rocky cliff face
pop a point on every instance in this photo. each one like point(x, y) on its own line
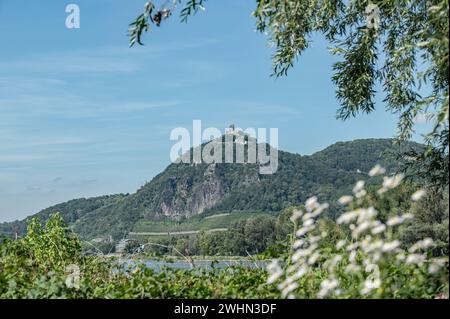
point(185, 199)
point(187, 196)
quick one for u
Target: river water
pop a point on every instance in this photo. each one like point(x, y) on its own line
point(159, 265)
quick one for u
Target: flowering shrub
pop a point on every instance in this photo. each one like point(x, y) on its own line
point(359, 256)
point(368, 261)
point(48, 263)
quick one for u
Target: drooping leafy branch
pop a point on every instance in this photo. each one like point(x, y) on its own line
point(397, 45)
point(154, 16)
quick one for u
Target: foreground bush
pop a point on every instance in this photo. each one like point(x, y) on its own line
point(48, 263)
point(360, 256)
point(367, 261)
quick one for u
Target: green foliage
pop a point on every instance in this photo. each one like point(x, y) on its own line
point(191, 8)
point(53, 246)
point(430, 166)
point(37, 258)
point(243, 238)
point(232, 283)
point(388, 52)
point(153, 16)
point(72, 213)
point(364, 253)
point(363, 154)
point(431, 220)
point(263, 236)
point(431, 214)
point(284, 227)
point(195, 223)
point(48, 263)
point(141, 24)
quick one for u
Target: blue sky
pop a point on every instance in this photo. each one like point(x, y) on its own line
point(81, 114)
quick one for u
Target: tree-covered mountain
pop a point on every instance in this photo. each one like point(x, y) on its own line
point(71, 212)
point(185, 190)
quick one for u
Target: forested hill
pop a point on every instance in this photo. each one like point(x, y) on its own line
point(184, 190)
point(71, 211)
point(363, 154)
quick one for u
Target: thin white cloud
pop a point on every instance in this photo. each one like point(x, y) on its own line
point(99, 60)
point(68, 62)
point(22, 157)
point(65, 104)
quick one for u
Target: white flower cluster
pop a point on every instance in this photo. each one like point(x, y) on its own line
point(360, 256)
point(305, 254)
point(390, 182)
